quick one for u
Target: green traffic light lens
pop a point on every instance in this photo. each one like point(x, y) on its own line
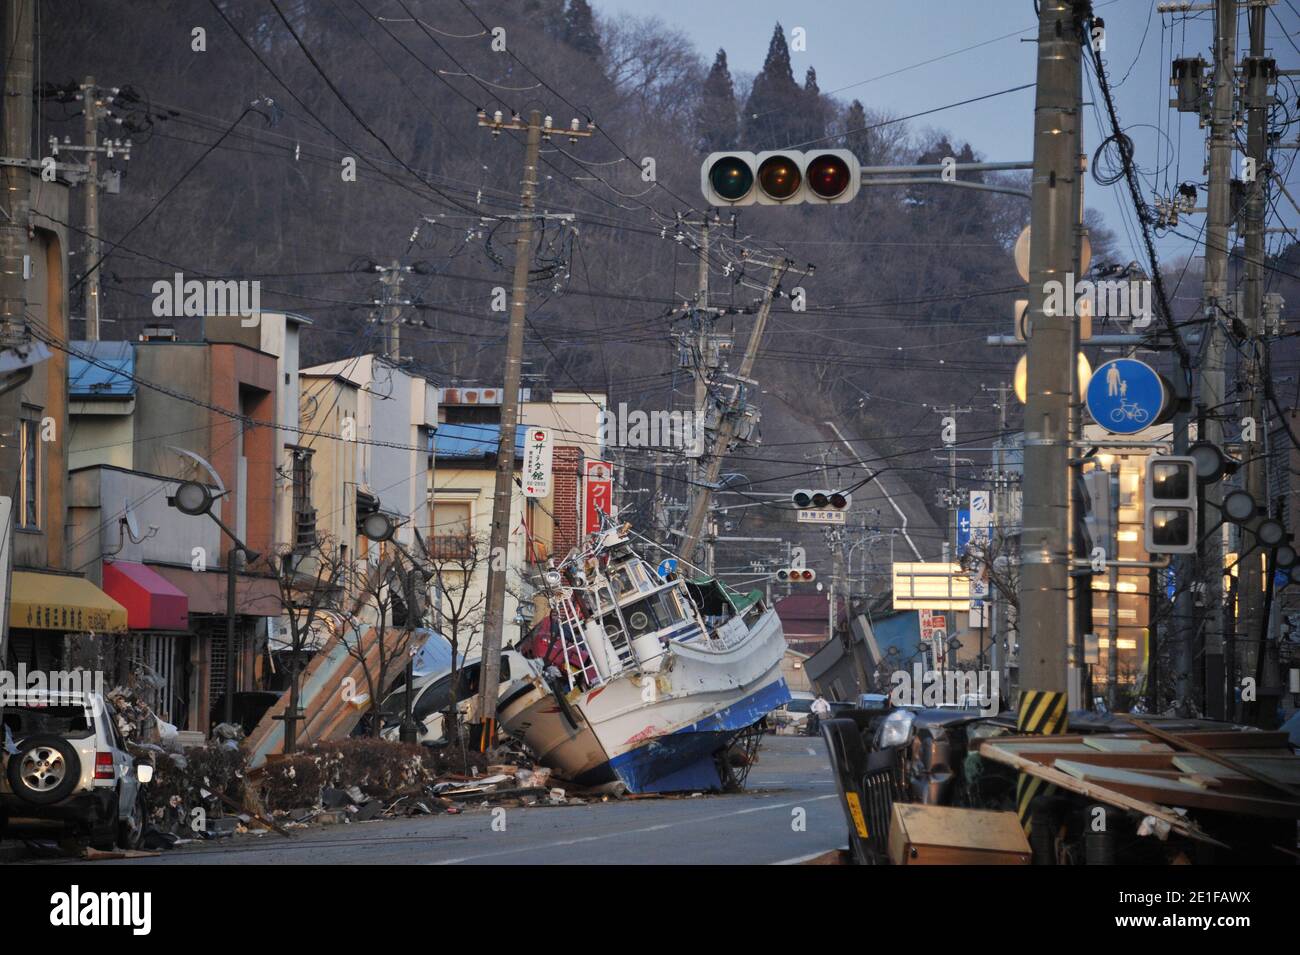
point(828, 176)
point(802, 500)
point(779, 177)
point(731, 178)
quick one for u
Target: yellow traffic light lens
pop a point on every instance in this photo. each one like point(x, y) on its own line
point(731, 178)
point(828, 176)
point(779, 177)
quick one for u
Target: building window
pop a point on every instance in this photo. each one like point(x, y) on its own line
point(450, 534)
point(304, 515)
point(29, 483)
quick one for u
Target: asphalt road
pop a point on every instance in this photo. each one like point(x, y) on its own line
point(791, 783)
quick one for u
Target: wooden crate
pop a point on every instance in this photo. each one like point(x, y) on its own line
point(943, 835)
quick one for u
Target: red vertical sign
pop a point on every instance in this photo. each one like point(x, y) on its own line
point(597, 493)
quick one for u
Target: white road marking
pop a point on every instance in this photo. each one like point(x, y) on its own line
point(629, 832)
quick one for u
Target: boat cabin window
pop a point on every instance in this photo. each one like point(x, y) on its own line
point(631, 578)
point(656, 612)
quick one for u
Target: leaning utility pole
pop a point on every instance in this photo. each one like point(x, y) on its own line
point(727, 426)
point(15, 185)
point(1045, 539)
point(499, 542)
point(1216, 309)
point(1252, 625)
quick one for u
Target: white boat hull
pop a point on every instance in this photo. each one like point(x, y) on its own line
point(661, 732)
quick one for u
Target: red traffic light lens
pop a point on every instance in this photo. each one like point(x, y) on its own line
point(731, 178)
point(779, 177)
point(806, 575)
point(829, 176)
point(839, 501)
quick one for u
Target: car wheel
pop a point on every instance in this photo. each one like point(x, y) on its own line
point(130, 829)
point(45, 769)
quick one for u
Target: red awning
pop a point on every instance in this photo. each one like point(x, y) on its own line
point(151, 602)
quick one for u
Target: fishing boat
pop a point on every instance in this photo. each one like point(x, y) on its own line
point(658, 680)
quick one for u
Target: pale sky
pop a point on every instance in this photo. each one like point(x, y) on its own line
point(854, 44)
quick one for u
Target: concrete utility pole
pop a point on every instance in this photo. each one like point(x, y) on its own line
point(1252, 625)
point(392, 282)
point(727, 426)
point(701, 370)
point(90, 120)
point(499, 542)
point(1045, 539)
point(15, 183)
point(1217, 309)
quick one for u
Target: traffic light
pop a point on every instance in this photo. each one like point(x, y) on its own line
point(796, 575)
point(780, 178)
point(820, 499)
point(1170, 505)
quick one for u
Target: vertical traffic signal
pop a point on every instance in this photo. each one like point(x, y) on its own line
point(1169, 521)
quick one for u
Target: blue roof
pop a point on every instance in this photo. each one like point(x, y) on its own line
point(108, 376)
point(901, 630)
point(472, 440)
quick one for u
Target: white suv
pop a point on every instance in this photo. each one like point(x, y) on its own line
point(63, 760)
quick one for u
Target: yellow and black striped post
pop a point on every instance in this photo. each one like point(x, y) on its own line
point(1042, 713)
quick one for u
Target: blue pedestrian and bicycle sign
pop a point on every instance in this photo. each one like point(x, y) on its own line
point(667, 566)
point(1126, 395)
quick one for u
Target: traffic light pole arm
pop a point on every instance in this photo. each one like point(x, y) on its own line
point(931, 181)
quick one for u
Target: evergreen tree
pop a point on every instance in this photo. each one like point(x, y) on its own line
point(716, 122)
point(580, 29)
point(856, 138)
point(546, 14)
point(772, 114)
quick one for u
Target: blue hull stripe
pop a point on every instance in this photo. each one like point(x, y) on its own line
point(683, 759)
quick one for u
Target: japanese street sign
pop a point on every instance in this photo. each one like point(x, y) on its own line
point(537, 462)
point(598, 493)
point(1125, 395)
point(821, 516)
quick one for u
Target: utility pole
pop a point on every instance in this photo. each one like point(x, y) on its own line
point(90, 120)
point(392, 304)
point(1252, 625)
point(499, 542)
point(15, 183)
point(701, 369)
point(1216, 309)
point(1045, 539)
point(727, 425)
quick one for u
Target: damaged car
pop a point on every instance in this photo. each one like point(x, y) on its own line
point(65, 764)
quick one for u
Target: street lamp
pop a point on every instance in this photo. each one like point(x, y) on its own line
point(380, 528)
point(194, 499)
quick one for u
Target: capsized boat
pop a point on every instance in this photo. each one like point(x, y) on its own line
point(654, 676)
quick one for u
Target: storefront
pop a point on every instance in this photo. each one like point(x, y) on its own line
point(46, 609)
point(157, 645)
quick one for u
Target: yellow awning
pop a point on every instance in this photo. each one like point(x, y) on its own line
point(66, 604)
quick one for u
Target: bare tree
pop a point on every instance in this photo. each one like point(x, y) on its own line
point(310, 586)
point(379, 588)
point(454, 561)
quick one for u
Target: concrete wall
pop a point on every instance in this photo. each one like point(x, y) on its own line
point(104, 433)
point(47, 390)
point(97, 498)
